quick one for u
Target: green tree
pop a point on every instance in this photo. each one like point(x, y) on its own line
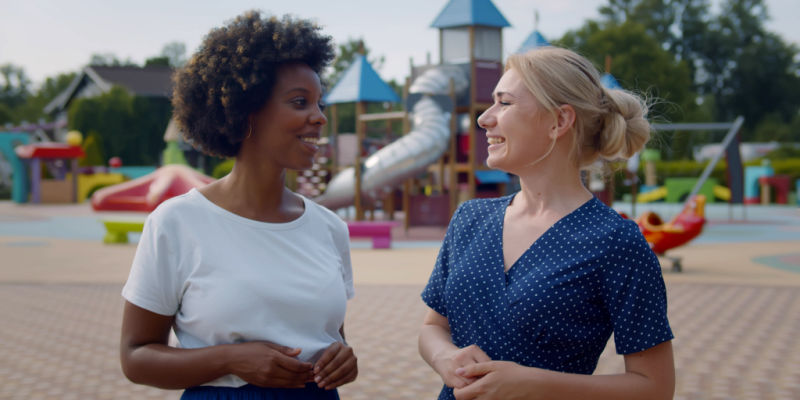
point(15, 87)
point(639, 63)
point(160, 61)
point(127, 126)
point(679, 25)
point(110, 60)
point(750, 71)
point(175, 52)
point(33, 107)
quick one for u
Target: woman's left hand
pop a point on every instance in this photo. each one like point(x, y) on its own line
point(337, 366)
point(496, 380)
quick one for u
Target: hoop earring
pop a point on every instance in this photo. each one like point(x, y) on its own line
point(249, 132)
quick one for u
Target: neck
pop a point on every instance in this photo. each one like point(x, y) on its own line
point(554, 185)
point(256, 187)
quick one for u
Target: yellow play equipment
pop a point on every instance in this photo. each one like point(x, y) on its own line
point(88, 183)
point(660, 193)
point(654, 195)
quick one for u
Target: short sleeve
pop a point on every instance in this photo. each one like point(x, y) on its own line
point(342, 240)
point(433, 294)
point(634, 292)
point(153, 282)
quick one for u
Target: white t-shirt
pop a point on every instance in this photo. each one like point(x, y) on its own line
point(229, 279)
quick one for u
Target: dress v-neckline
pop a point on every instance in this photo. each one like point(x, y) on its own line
point(513, 266)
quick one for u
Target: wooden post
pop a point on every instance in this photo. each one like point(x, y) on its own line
point(406, 208)
point(360, 136)
point(405, 129)
point(453, 179)
point(473, 114)
point(334, 138)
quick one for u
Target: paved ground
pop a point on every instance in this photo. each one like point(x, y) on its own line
point(735, 311)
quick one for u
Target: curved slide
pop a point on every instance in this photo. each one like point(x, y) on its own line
point(411, 154)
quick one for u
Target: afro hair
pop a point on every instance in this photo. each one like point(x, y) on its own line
point(233, 73)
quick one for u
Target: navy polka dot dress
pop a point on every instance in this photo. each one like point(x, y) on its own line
point(591, 274)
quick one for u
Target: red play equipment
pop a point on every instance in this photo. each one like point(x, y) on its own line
point(147, 192)
point(684, 227)
point(57, 189)
point(782, 185)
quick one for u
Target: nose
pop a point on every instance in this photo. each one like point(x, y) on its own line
point(487, 119)
point(318, 117)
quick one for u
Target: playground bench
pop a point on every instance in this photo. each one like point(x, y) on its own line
point(379, 231)
point(117, 231)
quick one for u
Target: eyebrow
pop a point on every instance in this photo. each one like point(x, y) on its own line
point(301, 89)
point(497, 94)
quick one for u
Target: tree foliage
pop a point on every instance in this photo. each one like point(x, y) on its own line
point(175, 53)
point(18, 102)
point(639, 63)
point(736, 66)
point(15, 87)
point(126, 126)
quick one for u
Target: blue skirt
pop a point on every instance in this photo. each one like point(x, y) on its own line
point(252, 392)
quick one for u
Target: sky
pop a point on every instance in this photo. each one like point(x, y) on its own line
point(48, 37)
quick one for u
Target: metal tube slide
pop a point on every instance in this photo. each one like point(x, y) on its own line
point(409, 155)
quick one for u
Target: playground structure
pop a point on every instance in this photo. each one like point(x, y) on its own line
point(676, 190)
point(19, 176)
point(61, 188)
point(689, 223)
point(147, 192)
point(684, 227)
point(444, 102)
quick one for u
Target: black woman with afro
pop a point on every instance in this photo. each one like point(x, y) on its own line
point(252, 278)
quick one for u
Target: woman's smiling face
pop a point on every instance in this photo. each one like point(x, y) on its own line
point(288, 127)
point(517, 126)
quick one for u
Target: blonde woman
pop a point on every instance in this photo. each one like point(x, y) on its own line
point(528, 288)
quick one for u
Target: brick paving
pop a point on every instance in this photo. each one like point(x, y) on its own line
point(59, 341)
point(736, 319)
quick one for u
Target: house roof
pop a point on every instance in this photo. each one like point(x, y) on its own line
point(609, 82)
point(360, 82)
point(470, 13)
point(153, 81)
point(534, 41)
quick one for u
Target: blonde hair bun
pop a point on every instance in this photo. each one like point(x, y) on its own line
point(625, 128)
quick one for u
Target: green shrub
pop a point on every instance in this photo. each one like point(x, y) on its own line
point(223, 168)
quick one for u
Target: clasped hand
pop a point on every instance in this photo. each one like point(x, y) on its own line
point(474, 376)
point(270, 365)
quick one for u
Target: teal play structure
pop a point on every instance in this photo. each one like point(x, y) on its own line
point(533, 41)
point(19, 174)
point(752, 188)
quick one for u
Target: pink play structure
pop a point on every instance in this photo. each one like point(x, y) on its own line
point(146, 193)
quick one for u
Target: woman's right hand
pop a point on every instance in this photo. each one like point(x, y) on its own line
point(447, 362)
point(267, 364)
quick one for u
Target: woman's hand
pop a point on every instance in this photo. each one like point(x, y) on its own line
point(337, 366)
point(267, 364)
point(502, 380)
point(446, 364)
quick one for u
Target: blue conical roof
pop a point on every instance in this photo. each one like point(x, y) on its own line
point(361, 83)
point(470, 13)
point(609, 82)
point(534, 41)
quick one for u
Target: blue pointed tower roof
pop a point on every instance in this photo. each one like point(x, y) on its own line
point(361, 83)
point(470, 13)
point(609, 82)
point(534, 40)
